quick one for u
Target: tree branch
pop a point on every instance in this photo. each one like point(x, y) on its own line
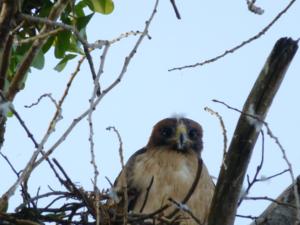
point(242, 44)
point(225, 200)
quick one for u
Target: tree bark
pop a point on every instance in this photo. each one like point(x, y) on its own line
point(231, 177)
point(277, 214)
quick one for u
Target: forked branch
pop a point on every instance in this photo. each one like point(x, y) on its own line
point(230, 180)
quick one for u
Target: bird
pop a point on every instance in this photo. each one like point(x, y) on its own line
point(168, 173)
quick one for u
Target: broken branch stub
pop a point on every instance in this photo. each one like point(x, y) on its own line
point(229, 184)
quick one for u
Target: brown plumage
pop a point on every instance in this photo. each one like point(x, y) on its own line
point(168, 168)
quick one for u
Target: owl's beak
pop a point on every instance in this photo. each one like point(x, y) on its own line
point(181, 136)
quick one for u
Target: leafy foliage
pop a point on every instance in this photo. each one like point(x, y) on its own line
point(66, 46)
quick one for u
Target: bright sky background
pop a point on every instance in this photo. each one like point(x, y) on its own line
point(149, 93)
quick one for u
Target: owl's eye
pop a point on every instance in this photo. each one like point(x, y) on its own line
point(193, 133)
point(166, 132)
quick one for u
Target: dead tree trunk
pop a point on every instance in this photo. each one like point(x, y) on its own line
point(231, 177)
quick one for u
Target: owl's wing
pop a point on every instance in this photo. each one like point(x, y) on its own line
point(132, 191)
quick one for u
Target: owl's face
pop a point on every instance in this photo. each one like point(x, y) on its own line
point(179, 134)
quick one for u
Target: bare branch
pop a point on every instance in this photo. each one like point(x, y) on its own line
point(271, 200)
point(175, 9)
point(9, 163)
point(235, 48)
point(91, 128)
point(40, 36)
point(125, 35)
point(247, 217)
point(47, 95)
point(263, 179)
point(124, 185)
point(186, 209)
point(258, 169)
point(225, 140)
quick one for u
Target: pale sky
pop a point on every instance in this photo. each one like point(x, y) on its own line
point(149, 93)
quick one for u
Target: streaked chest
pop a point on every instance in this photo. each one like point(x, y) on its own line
point(163, 175)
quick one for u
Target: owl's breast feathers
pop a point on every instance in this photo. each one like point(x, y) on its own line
point(156, 175)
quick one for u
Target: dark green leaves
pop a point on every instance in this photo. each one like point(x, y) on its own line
point(62, 43)
point(65, 43)
point(82, 21)
point(62, 64)
point(39, 61)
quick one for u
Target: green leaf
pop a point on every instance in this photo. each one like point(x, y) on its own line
point(75, 46)
point(101, 6)
point(79, 8)
point(83, 21)
point(48, 44)
point(39, 61)
point(62, 44)
point(62, 64)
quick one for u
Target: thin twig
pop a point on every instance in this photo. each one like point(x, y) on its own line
point(224, 131)
point(39, 36)
point(125, 35)
point(39, 149)
point(10, 164)
point(247, 217)
point(91, 130)
point(258, 169)
point(57, 113)
point(242, 44)
point(175, 9)
point(72, 188)
point(271, 200)
point(272, 176)
point(185, 209)
point(124, 184)
point(48, 95)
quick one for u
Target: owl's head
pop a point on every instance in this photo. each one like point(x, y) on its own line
point(179, 134)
